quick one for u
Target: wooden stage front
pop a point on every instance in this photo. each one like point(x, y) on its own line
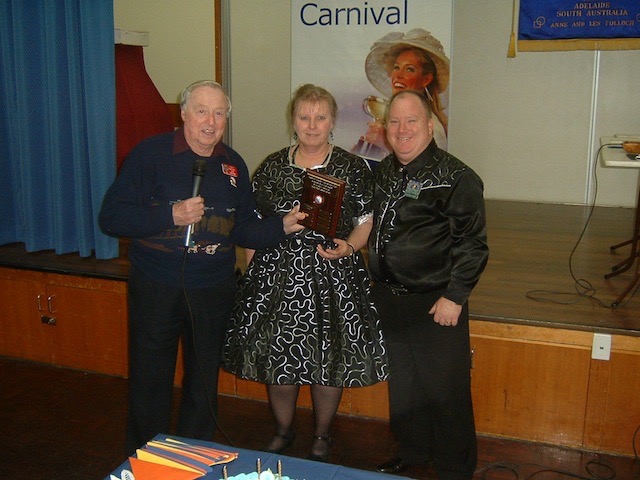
point(533, 375)
point(533, 328)
point(530, 249)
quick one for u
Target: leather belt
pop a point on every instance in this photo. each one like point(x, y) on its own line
point(396, 289)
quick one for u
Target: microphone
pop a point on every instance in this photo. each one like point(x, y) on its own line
point(199, 168)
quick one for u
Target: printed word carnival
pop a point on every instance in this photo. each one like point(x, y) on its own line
point(313, 15)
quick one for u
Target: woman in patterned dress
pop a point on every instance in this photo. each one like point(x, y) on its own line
point(303, 314)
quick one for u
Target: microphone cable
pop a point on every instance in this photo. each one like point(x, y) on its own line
point(203, 377)
point(595, 469)
point(198, 172)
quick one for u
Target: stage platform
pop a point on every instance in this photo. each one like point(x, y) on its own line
point(531, 247)
point(537, 251)
point(533, 326)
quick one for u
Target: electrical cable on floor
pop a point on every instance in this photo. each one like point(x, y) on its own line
point(584, 288)
point(195, 353)
point(608, 472)
point(596, 469)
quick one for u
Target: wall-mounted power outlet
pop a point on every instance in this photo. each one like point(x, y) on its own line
point(601, 349)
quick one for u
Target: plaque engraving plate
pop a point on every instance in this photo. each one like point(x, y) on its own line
point(322, 199)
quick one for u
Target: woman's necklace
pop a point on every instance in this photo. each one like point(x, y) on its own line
point(297, 158)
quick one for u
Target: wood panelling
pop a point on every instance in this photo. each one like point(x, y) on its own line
point(541, 384)
point(533, 376)
point(530, 389)
point(65, 320)
point(22, 335)
point(613, 413)
point(372, 401)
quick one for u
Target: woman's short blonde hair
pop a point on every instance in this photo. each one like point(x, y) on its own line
point(310, 93)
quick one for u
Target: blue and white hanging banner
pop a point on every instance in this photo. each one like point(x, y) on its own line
point(570, 19)
point(345, 47)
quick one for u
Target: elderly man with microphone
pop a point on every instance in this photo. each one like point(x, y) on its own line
point(185, 200)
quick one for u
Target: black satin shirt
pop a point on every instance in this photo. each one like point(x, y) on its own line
point(437, 241)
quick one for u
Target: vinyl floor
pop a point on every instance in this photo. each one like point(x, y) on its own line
point(60, 424)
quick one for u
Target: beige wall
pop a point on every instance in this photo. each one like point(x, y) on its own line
point(260, 76)
point(524, 123)
point(529, 125)
point(181, 40)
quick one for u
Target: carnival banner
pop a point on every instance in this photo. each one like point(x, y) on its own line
point(572, 25)
point(364, 51)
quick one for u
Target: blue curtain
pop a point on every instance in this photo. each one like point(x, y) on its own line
point(57, 124)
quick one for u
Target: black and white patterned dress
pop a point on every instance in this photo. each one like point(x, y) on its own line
point(300, 319)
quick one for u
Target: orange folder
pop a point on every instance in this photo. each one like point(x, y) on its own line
point(155, 471)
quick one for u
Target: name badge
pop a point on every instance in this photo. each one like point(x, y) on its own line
point(413, 189)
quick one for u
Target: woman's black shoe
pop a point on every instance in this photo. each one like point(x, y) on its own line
point(395, 465)
point(279, 443)
point(323, 456)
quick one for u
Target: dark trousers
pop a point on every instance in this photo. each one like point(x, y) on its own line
point(158, 317)
point(431, 412)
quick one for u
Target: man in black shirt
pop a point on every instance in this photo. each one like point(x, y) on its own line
point(427, 250)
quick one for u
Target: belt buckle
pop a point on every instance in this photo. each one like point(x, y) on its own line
point(398, 290)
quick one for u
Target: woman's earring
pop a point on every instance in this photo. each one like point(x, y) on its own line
point(331, 137)
point(295, 137)
point(426, 90)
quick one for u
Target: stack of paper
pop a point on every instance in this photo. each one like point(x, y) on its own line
point(188, 461)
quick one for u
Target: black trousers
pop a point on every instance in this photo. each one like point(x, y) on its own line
point(159, 316)
point(431, 412)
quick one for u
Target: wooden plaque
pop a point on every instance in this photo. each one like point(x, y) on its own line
point(321, 200)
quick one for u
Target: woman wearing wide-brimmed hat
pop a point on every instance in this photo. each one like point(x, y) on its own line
point(405, 61)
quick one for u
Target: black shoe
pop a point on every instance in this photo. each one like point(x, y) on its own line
point(395, 465)
point(324, 456)
point(279, 443)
